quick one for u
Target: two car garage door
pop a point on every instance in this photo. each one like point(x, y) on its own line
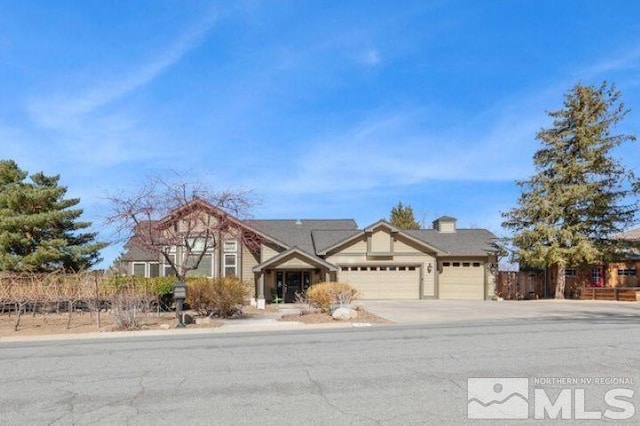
point(458, 280)
point(383, 281)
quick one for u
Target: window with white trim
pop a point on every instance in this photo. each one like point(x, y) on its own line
point(230, 246)
point(197, 244)
point(204, 268)
point(230, 265)
point(167, 269)
point(154, 270)
point(139, 269)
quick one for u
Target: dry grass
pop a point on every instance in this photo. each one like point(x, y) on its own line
point(84, 322)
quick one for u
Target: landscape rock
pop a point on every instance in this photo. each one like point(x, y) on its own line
point(342, 314)
point(203, 321)
point(164, 326)
point(353, 314)
point(188, 319)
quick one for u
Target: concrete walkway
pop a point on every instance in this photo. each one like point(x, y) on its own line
point(444, 311)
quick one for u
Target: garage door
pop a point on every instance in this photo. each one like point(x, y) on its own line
point(461, 280)
point(383, 282)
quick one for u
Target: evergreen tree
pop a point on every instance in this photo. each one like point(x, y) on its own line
point(39, 230)
point(402, 217)
point(580, 195)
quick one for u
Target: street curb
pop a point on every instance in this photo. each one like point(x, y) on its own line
point(224, 329)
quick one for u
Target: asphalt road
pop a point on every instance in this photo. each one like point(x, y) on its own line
point(380, 375)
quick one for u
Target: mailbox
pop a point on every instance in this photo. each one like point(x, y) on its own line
point(179, 295)
point(180, 291)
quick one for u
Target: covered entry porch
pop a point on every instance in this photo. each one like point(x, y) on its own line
point(288, 274)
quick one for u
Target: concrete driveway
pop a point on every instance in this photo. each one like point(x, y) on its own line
point(444, 311)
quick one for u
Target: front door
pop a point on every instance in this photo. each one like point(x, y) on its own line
point(290, 283)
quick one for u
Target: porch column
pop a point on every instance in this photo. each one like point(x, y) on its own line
point(327, 275)
point(261, 301)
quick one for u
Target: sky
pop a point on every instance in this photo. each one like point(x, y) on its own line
point(324, 109)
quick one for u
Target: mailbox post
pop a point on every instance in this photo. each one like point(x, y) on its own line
point(179, 295)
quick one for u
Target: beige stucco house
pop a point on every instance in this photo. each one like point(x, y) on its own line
point(282, 258)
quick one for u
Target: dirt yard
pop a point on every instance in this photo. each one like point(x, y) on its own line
point(320, 317)
point(83, 322)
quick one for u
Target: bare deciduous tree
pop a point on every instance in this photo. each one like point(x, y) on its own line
point(163, 215)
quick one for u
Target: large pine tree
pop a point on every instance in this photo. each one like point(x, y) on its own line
point(39, 230)
point(581, 195)
point(402, 217)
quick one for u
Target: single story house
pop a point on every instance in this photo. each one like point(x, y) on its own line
point(282, 258)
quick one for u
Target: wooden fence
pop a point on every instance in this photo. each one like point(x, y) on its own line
point(625, 294)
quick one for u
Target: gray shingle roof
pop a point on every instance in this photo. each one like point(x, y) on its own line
point(298, 233)
point(135, 253)
point(327, 238)
point(468, 242)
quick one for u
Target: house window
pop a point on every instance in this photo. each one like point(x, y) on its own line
point(204, 268)
point(626, 272)
point(570, 272)
point(466, 264)
point(167, 269)
point(230, 264)
point(197, 244)
point(456, 264)
point(476, 264)
point(596, 277)
point(154, 269)
point(139, 269)
point(446, 264)
point(230, 246)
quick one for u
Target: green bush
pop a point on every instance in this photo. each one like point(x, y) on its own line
point(220, 297)
point(324, 294)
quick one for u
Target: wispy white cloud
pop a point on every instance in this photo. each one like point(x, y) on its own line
point(62, 109)
point(626, 59)
point(391, 149)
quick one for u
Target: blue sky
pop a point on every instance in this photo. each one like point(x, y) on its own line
point(324, 109)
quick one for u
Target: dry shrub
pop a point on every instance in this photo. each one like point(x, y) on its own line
point(128, 310)
point(323, 295)
point(221, 297)
point(200, 295)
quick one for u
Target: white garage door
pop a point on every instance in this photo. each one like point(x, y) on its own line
point(383, 282)
point(461, 280)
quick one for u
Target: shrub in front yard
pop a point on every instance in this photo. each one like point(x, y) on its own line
point(324, 294)
point(220, 296)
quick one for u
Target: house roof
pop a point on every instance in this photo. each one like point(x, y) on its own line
point(135, 253)
point(632, 234)
point(446, 219)
point(314, 260)
point(316, 236)
point(468, 242)
point(298, 232)
point(353, 235)
point(323, 239)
